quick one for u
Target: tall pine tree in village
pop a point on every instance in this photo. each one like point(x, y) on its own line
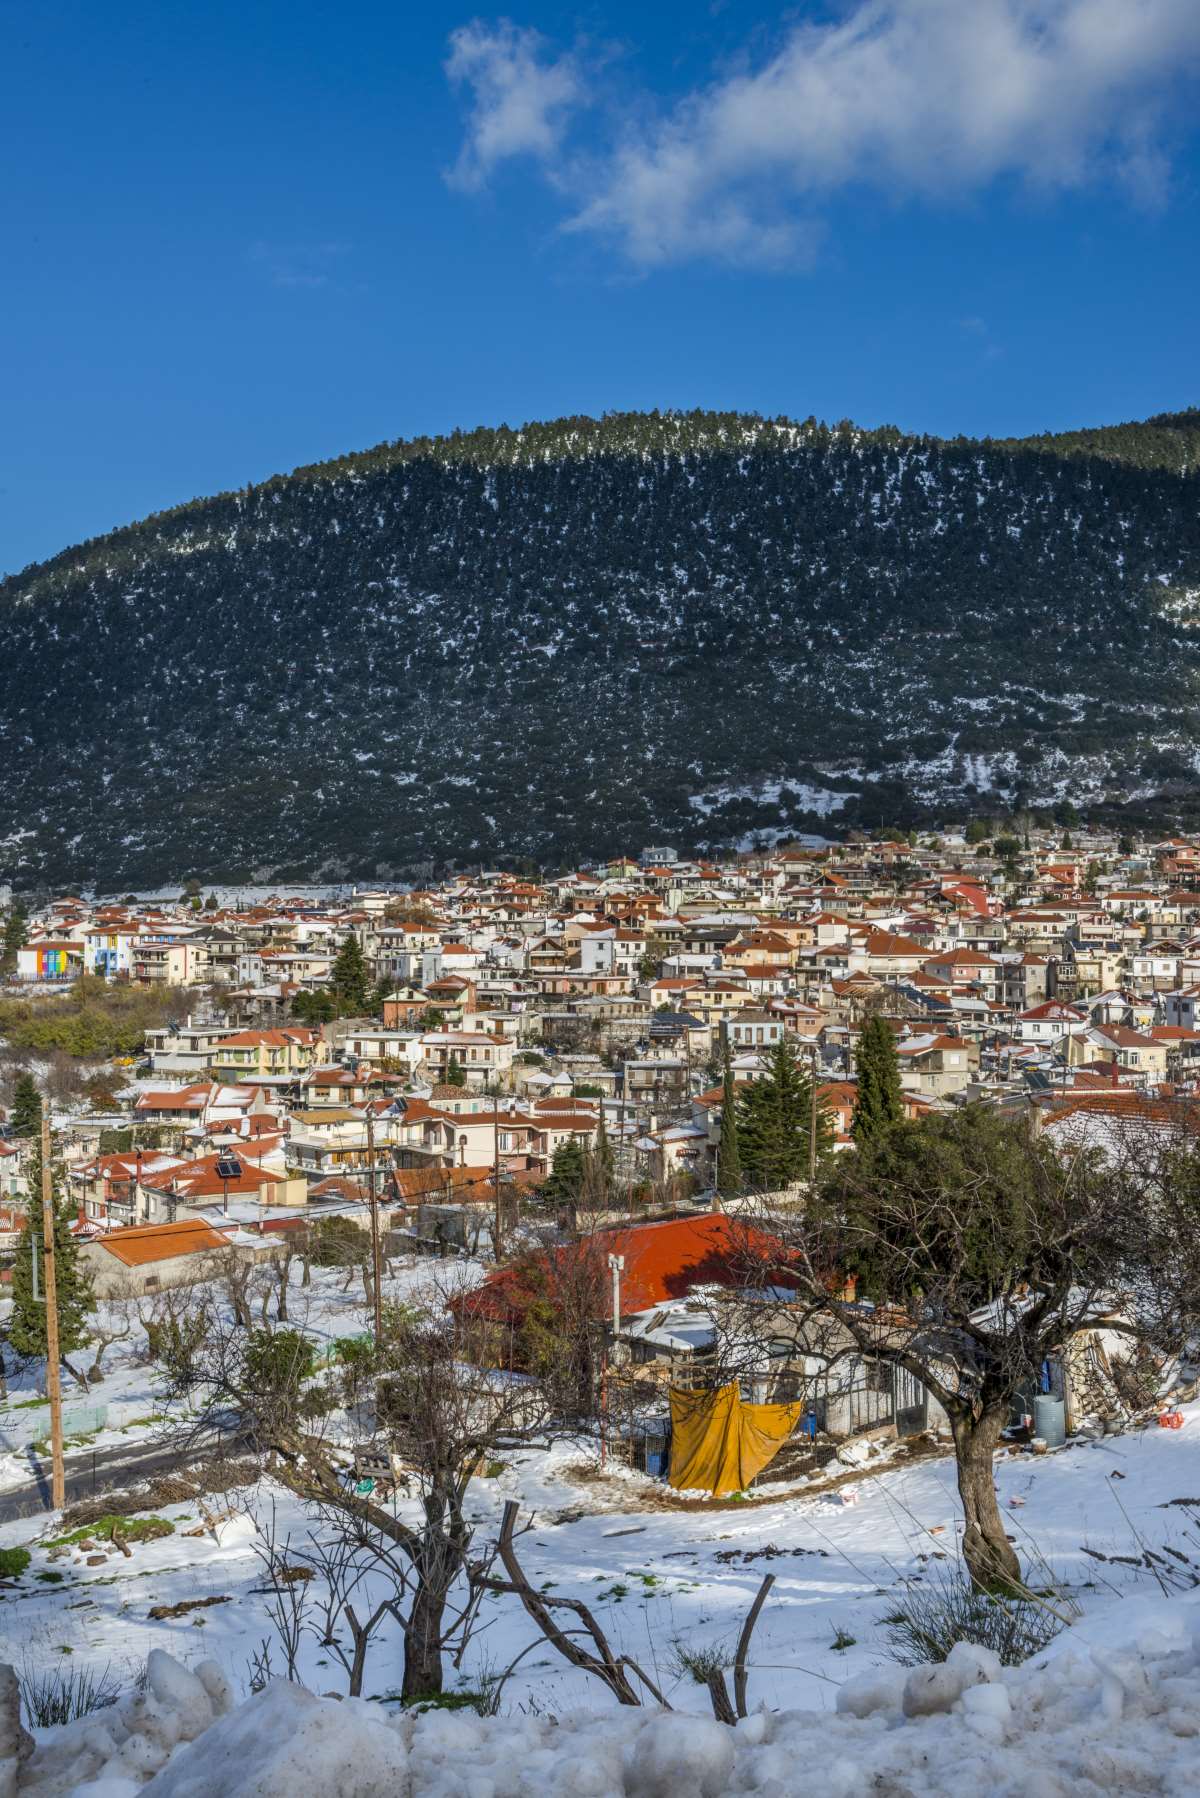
point(27, 1325)
point(774, 1118)
point(25, 1117)
point(348, 979)
point(879, 1101)
point(14, 938)
point(729, 1160)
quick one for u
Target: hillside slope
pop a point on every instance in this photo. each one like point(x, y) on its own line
point(591, 635)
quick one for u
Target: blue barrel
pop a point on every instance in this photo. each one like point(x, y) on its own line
point(1050, 1419)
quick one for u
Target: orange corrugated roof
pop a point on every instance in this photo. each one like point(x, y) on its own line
point(159, 1242)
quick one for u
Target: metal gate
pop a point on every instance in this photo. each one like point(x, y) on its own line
point(911, 1401)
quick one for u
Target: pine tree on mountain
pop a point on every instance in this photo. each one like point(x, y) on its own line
point(25, 1118)
point(774, 1117)
point(73, 1281)
point(729, 1160)
point(348, 979)
point(879, 1101)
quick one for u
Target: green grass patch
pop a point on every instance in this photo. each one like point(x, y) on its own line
point(439, 1701)
point(131, 1529)
point(50, 1576)
point(13, 1562)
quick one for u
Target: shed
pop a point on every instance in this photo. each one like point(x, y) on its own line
point(146, 1257)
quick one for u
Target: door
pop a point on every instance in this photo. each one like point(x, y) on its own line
point(912, 1403)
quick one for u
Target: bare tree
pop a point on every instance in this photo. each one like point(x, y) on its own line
point(426, 1407)
point(585, 1646)
point(111, 1322)
point(282, 1266)
point(551, 1320)
point(342, 1567)
point(287, 1589)
point(234, 1273)
point(176, 1321)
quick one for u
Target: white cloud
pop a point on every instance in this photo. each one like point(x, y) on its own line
point(520, 96)
point(924, 98)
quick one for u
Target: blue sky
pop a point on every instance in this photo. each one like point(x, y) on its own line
point(241, 237)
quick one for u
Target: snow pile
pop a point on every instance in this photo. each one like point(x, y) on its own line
point(1113, 1706)
point(115, 1751)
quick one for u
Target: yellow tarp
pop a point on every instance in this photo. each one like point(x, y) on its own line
point(718, 1444)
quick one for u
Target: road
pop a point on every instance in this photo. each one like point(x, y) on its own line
point(104, 1470)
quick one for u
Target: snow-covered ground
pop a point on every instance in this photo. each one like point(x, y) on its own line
point(664, 1574)
point(1090, 1716)
point(656, 1573)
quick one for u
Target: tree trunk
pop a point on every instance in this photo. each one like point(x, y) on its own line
point(79, 1378)
point(423, 1639)
point(991, 1559)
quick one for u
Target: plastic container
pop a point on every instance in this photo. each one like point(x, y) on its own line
point(1050, 1419)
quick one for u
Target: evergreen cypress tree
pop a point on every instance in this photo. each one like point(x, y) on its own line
point(454, 1073)
point(565, 1181)
point(348, 980)
point(729, 1160)
point(15, 934)
point(73, 1282)
point(773, 1122)
point(879, 1102)
point(26, 1114)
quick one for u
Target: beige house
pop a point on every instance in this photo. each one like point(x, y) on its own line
point(936, 1066)
point(1115, 1044)
point(149, 1256)
point(483, 1058)
point(267, 1054)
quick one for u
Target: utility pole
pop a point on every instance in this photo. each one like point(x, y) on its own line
point(375, 1255)
point(812, 1118)
point(497, 1218)
point(616, 1264)
point(53, 1371)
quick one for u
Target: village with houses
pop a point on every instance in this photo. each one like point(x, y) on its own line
point(588, 1142)
point(466, 1046)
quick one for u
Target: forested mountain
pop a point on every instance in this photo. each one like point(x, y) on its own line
point(591, 635)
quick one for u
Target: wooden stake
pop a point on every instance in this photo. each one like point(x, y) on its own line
point(53, 1371)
